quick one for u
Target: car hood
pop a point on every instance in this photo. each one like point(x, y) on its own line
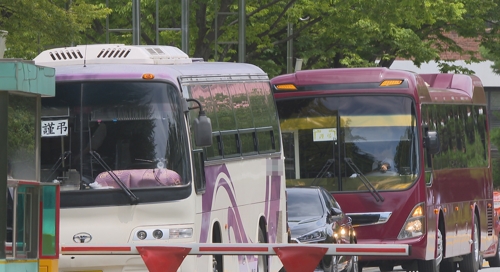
point(301, 226)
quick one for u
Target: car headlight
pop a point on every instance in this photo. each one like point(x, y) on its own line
point(313, 236)
point(415, 224)
point(341, 233)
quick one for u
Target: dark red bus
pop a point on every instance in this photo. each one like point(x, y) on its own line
point(406, 155)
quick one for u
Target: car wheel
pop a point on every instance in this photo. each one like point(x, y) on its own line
point(354, 264)
point(329, 264)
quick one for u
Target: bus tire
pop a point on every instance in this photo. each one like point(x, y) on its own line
point(386, 268)
point(495, 260)
point(448, 265)
point(434, 264)
point(262, 264)
point(470, 262)
point(428, 266)
point(217, 260)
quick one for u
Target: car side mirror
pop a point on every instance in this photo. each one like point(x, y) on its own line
point(335, 211)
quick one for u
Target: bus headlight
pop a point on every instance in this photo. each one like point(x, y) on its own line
point(163, 234)
point(158, 234)
point(415, 224)
point(180, 233)
point(142, 235)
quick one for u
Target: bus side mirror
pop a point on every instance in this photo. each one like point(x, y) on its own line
point(202, 130)
point(202, 125)
point(432, 142)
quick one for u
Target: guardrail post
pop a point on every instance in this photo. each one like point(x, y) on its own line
point(163, 259)
point(300, 259)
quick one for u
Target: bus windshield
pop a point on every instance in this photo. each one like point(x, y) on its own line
point(350, 143)
point(106, 135)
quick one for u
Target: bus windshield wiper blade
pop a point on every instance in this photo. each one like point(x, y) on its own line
point(133, 198)
point(365, 181)
point(323, 170)
point(58, 164)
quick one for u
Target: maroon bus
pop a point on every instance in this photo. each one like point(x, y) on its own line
point(406, 155)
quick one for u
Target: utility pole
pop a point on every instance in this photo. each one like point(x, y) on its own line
point(289, 49)
point(136, 22)
point(185, 26)
point(241, 32)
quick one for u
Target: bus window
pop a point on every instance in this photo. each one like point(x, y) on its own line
point(320, 133)
point(244, 120)
point(118, 128)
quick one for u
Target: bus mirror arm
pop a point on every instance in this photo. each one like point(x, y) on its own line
point(202, 126)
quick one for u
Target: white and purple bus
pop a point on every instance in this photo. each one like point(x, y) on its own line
point(151, 146)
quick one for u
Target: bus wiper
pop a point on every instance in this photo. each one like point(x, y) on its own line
point(365, 181)
point(133, 198)
point(323, 170)
point(58, 164)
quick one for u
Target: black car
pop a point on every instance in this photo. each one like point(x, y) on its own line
point(314, 216)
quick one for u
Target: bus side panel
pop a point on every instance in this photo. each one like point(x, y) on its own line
point(458, 207)
point(236, 200)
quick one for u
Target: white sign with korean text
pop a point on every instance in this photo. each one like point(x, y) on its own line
point(55, 128)
point(324, 134)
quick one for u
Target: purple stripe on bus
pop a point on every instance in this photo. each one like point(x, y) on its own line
point(218, 177)
point(272, 204)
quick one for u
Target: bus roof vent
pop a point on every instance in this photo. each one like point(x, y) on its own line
point(112, 54)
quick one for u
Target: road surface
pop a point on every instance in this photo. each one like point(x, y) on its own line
point(486, 268)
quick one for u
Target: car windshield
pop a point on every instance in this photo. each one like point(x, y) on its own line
point(97, 135)
point(303, 204)
point(337, 141)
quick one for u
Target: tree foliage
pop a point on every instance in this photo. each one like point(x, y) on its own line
point(495, 140)
point(325, 33)
point(35, 25)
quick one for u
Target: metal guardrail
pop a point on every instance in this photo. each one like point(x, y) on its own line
point(294, 257)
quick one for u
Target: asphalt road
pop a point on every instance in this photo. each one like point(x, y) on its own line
point(486, 268)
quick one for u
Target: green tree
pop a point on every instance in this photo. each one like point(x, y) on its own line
point(35, 25)
point(326, 33)
point(495, 140)
point(333, 33)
